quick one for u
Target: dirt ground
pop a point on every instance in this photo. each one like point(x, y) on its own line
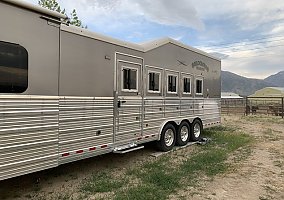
point(260, 176)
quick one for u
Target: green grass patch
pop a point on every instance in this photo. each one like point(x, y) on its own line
point(102, 182)
point(143, 192)
point(160, 178)
point(206, 163)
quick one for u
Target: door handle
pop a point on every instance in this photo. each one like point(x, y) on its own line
point(120, 102)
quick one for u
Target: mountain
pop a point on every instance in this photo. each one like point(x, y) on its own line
point(241, 85)
point(276, 79)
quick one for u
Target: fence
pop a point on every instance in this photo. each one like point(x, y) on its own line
point(253, 106)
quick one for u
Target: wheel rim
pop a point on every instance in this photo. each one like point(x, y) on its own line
point(184, 133)
point(197, 130)
point(169, 137)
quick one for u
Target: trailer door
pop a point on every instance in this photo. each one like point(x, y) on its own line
point(129, 83)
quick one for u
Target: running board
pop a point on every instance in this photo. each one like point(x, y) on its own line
point(128, 150)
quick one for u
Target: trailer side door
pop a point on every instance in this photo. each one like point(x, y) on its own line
point(128, 84)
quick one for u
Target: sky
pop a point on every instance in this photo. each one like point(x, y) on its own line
point(248, 35)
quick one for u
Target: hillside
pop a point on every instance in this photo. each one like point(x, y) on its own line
point(241, 85)
point(276, 79)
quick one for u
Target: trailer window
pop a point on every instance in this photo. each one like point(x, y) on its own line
point(154, 82)
point(129, 79)
point(186, 85)
point(199, 86)
point(172, 83)
point(13, 68)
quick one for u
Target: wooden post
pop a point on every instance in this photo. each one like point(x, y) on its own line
point(282, 103)
point(246, 106)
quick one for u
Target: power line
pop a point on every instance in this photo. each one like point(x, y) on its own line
point(253, 49)
point(242, 45)
point(251, 40)
point(260, 55)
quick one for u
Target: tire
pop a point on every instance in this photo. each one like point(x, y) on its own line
point(196, 130)
point(168, 138)
point(183, 134)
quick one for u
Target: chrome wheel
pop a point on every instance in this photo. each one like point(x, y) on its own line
point(196, 130)
point(184, 133)
point(169, 137)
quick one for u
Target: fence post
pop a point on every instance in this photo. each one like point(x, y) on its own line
point(246, 106)
point(282, 103)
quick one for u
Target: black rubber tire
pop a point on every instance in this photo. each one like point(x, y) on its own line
point(179, 140)
point(194, 137)
point(161, 144)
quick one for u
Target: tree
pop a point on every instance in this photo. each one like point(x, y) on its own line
point(74, 20)
point(54, 5)
point(51, 5)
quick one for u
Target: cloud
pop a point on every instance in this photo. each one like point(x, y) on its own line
point(181, 13)
point(219, 55)
point(199, 23)
point(164, 12)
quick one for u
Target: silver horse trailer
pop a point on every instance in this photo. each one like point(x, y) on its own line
point(69, 94)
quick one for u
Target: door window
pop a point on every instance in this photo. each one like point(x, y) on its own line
point(129, 79)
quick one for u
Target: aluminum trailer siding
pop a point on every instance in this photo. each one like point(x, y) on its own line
point(68, 94)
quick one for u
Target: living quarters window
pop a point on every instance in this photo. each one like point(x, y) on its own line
point(154, 82)
point(129, 79)
point(172, 83)
point(199, 86)
point(186, 85)
point(13, 68)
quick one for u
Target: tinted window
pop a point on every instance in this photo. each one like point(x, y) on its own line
point(13, 68)
point(199, 85)
point(154, 81)
point(186, 85)
point(172, 83)
point(129, 79)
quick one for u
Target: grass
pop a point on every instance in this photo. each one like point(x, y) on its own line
point(101, 182)
point(263, 118)
point(158, 179)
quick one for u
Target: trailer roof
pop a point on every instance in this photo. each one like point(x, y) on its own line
point(144, 47)
point(38, 9)
point(97, 36)
point(148, 46)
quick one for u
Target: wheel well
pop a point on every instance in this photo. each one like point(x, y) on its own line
point(169, 122)
point(173, 123)
point(197, 118)
point(186, 120)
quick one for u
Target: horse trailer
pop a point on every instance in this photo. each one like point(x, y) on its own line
point(69, 94)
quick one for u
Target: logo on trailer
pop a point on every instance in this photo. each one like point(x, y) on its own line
point(200, 66)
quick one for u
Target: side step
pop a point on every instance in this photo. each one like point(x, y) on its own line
point(122, 151)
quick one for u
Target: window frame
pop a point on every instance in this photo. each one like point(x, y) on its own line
point(148, 89)
point(169, 92)
point(122, 79)
point(190, 82)
point(202, 88)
